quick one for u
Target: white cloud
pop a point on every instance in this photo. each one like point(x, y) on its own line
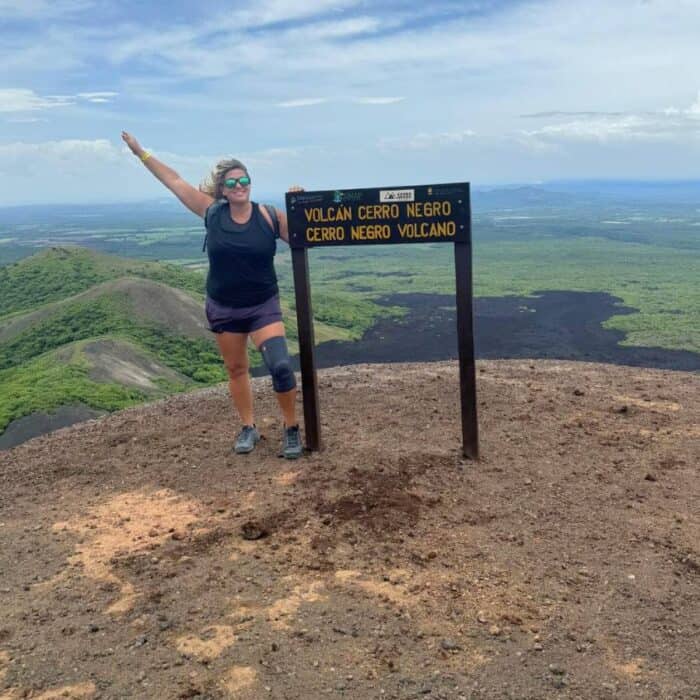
point(58, 159)
point(46, 51)
point(303, 102)
point(695, 107)
point(334, 30)
point(41, 9)
point(22, 100)
point(691, 112)
point(426, 141)
point(311, 101)
point(101, 169)
point(196, 168)
point(268, 153)
point(669, 124)
point(67, 148)
point(24, 120)
point(126, 44)
point(212, 48)
point(377, 100)
point(267, 12)
point(488, 63)
point(98, 96)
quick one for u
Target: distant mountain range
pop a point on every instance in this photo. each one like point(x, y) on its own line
point(658, 191)
point(168, 211)
point(157, 212)
point(586, 193)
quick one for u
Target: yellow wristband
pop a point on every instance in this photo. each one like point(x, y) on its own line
point(145, 156)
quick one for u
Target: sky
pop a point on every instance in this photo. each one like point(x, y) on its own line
point(333, 94)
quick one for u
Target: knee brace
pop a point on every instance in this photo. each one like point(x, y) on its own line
point(276, 358)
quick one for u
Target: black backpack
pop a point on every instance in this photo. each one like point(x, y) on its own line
point(215, 208)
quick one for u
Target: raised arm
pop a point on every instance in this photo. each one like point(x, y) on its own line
point(191, 197)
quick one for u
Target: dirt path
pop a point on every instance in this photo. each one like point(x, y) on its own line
point(566, 564)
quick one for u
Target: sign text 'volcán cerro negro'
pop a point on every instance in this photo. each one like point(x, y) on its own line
point(420, 214)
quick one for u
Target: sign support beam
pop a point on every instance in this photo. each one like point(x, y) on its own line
point(307, 364)
point(465, 340)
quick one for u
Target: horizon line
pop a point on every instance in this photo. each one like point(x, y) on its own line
point(480, 186)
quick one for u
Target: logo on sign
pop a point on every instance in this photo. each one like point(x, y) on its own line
point(396, 195)
point(342, 197)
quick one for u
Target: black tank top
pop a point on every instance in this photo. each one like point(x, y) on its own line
point(241, 269)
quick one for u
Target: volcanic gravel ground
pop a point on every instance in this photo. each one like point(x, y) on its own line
point(140, 558)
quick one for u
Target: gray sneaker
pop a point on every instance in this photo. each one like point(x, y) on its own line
point(246, 440)
point(292, 447)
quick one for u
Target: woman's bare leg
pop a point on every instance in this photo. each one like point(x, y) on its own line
point(287, 401)
point(234, 350)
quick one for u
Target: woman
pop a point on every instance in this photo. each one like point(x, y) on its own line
point(242, 294)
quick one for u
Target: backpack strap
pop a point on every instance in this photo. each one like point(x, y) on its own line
point(212, 209)
point(275, 221)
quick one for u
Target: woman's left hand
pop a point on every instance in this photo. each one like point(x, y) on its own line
point(295, 188)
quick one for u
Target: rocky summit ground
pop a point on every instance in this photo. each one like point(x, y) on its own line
point(139, 558)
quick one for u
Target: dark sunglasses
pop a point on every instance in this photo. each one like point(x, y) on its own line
point(231, 182)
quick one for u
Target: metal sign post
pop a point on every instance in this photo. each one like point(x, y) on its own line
point(413, 214)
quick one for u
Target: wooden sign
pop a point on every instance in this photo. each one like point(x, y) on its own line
point(386, 215)
point(421, 214)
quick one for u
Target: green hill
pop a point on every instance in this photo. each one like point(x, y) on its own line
point(104, 374)
point(57, 273)
point(83, 328)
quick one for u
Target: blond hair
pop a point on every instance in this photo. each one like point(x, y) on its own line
point(214, 184)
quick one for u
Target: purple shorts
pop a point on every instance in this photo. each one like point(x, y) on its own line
point(226, 319)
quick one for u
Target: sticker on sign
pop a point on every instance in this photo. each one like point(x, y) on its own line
point(396, 195)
